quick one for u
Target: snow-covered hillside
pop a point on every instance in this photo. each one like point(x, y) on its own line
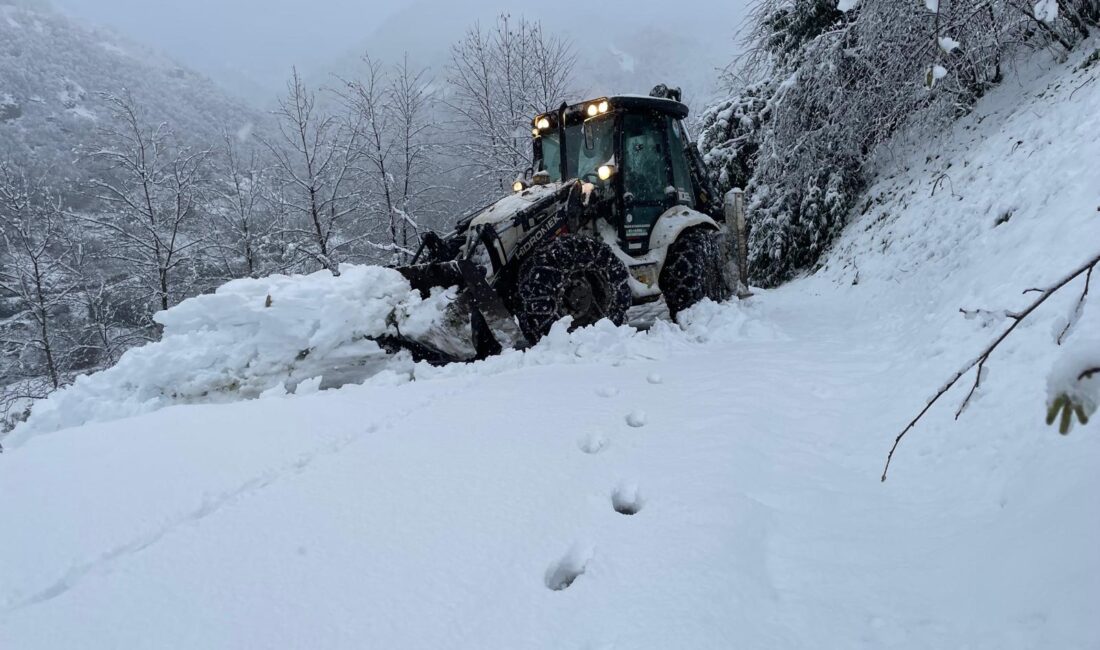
point(52, 69)
point(712, 486)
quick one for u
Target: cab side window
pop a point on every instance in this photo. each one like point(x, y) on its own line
point(681, 176)
point(551, 156)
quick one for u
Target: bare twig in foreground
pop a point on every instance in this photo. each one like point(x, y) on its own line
point(980, 360)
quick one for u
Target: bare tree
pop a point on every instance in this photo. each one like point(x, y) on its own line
point(394, 108)
point(40, 281)
point(410, 97)
point(151, 186)
point(367, 97)
point(316, 159)
point(35, 271)
point(109, 324)
point(246, 231)
point(501, 78)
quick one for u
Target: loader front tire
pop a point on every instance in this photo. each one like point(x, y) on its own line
point(573, 276)
point(694, 269)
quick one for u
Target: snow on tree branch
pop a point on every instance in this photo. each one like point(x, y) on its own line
point(823, 83)
point(1073, 386)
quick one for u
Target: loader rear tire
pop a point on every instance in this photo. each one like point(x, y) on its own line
point(694, 270)
point(573, 276)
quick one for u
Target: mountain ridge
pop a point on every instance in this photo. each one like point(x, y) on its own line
point(53, 70)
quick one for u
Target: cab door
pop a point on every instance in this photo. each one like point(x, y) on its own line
point(650, 183)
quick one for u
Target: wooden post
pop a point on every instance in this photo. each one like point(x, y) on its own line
point(735, 223)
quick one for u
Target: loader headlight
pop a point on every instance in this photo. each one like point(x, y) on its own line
point(542, 123)
point(597, 108)
point(605, 171)
point(518, 186)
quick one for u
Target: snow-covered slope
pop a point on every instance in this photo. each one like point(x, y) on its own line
point(709, 488)
point(52, 69)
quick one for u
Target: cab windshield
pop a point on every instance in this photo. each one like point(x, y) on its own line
point(582, 154)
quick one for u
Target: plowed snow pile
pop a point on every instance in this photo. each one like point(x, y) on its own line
point(247, 338)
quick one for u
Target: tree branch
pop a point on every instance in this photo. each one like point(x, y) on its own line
point(980, 360)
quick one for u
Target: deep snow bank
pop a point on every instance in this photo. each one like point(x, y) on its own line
point(250, 336)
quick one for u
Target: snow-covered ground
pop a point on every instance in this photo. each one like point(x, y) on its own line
point(489, 506)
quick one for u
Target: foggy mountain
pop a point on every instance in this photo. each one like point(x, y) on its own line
point(249, 46)
point(52, 69)
point(620, 48)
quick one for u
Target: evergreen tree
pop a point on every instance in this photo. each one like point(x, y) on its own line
point(820, 88)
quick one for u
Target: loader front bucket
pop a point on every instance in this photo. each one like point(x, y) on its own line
point(425, 277)
point(492, 326)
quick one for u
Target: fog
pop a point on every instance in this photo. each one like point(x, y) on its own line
point(250, 45)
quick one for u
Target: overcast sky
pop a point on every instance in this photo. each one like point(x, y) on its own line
point(253, 35)
point(260, 40)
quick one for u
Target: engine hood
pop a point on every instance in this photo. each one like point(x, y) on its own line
point(510, 205)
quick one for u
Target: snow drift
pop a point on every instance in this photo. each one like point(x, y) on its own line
point(249, 337)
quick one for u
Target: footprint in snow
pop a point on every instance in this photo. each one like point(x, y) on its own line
point(593, 443)
point(626, 499)
point(607, 391)
point(565, 571)
point(636, 419)
point(655, 378)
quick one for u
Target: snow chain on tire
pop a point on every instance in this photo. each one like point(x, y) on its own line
point(693, 270)
point(552, 284)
